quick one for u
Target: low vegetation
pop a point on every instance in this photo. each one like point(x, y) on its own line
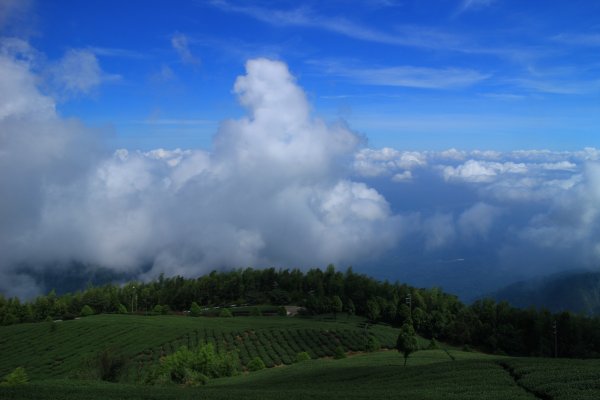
point(96, 346)
point(344, 344)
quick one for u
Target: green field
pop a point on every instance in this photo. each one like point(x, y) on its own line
point(51, 355)
point(56, 350)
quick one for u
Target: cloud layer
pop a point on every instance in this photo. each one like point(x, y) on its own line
point(517, 214)
point(274, 191)
point(279, 188)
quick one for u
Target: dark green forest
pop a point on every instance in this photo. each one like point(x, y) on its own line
point(486, 325)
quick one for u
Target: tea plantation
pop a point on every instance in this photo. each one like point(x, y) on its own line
point(57, 349)
point(53, 353)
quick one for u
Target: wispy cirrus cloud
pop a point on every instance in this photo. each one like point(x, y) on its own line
point(116, 52)
point(579, 39)
point(180, 43)
point(411, 36)
point(469, 5)
point(407, 75)
point(560, 86)
point(570, 79)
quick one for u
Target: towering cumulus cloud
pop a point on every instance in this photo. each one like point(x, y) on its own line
point(272, 192)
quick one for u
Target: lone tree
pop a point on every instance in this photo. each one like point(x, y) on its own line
point(407, 341)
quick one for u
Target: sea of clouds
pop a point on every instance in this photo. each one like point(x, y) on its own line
point(280, 187)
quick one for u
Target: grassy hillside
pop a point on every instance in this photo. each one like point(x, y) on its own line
point(429, 375)
point(55, 350)
point(52, 352)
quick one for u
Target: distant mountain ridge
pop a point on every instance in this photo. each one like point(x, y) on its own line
point(575, 291)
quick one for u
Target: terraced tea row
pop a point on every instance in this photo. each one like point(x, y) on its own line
point(274, 347)
point(49, 350)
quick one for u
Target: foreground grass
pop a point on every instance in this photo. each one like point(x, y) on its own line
point(557, 379)
point(429, 375)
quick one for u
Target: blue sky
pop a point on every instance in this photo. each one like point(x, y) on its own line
point(487, 74)
point(447, 142)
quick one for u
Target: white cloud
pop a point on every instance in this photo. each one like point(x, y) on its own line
point(281, 187)
point(274, 191)
point(375, 162)
point(405, 176)
point(39, 153)
point(453, 154)
point(559, 166)
point(19, 96)
point(481, 171)
point(78, 72)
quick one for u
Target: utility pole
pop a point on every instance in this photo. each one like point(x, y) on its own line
point(555, 330)
point(409, 303)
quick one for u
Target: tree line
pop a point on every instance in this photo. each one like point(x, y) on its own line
point(487, 325)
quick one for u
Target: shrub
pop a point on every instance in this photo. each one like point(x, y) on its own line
point(195, 309)
point(17, 377)
point(256, 364)
point(157, 309)
point(225, 313)
point(195, 367)
point(373, 344)
point(86, 311)
point(339, 353)
point(281, 311)
point(466, 348)
point(302, 356)
point(9, 319)
point(433, 345)
point(121, 309)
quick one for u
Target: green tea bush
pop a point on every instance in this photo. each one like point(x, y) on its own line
point(86, 311)
point(256, 364)
point(339, 353)
point(373, 344)
point(302, 356)
point(225, 313)
point(15, 378)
